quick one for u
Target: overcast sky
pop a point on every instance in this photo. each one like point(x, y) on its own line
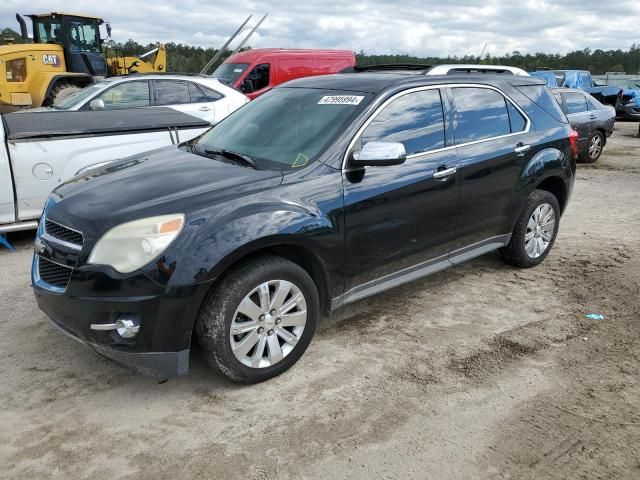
point(418, 27)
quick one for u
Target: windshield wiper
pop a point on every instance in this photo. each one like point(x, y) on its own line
point(246, 159)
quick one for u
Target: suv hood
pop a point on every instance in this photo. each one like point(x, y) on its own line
point(164, 181)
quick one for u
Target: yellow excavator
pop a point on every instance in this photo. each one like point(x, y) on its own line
point(65, 56)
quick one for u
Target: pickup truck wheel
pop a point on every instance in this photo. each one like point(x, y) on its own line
point(258, 320)
point(594, 148)
point(535, 231)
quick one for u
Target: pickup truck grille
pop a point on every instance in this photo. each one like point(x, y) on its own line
point(60, 232)
point(53, 274)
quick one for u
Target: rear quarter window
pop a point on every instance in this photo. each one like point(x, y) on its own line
point(543, 98)
point(212, 95)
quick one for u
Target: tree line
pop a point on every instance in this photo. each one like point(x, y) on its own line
point(190, 59)
point(598, 62)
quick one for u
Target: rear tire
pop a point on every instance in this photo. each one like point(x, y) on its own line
point(61, 91)
point(535, 231)
point(594, 148)
point(247, 341)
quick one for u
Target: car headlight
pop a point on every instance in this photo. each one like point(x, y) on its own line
point(132, 245)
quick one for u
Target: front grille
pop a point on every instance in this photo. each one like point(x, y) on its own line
point(63, 233)
point(53, 274)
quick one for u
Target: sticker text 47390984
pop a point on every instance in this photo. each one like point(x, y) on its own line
point(341, 100)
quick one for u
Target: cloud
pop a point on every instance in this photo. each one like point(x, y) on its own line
point(418, 27)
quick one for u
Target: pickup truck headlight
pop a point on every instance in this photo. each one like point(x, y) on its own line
point(132, 245)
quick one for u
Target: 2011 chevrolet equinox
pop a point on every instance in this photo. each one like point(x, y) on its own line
point(321, 192)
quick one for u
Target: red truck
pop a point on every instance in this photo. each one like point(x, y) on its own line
point(257, 70)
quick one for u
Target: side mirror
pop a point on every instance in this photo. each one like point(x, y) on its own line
point(247, 86)
point(379, 154)
point(96, 104)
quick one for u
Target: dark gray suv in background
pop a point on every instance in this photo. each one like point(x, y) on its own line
point(321, 192)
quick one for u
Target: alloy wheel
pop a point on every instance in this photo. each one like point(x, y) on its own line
point(595, 146)
point(268, 323)
point(540, 230)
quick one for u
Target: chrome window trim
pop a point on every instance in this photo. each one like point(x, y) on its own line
point(381, 107)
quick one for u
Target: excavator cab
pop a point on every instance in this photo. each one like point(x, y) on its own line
point(79, 37)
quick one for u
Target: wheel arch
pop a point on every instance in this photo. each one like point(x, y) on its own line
point(288, 248)
point(602, 130)
point(80, 80)
point(555, 185)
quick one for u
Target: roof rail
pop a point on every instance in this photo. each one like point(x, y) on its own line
point(391, 66)
point(188, 74)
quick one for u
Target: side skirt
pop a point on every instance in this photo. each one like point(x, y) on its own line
point(420, 270)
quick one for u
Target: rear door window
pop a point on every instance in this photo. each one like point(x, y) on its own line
point(517, 121)
point(481, 113)
point(415, 120)
point(592, 102)
point(172, 92)
point(197, 96)
point(575, 103)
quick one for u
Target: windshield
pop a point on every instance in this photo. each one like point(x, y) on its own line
point(78, 98)
point(230, 72)
point(84, 37)
point(633, 84)
point(286, 128)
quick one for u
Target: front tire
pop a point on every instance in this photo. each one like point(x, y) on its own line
point(535, 231)
point(61, 91)
point(595, 145)
point(259, 319)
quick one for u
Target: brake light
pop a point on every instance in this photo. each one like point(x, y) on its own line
point(573, 140)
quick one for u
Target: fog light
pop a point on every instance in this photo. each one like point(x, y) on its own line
point(127, 328)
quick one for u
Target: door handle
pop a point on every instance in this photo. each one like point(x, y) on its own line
point(593, 117)
point(205, 109)
point(444, 173)
point(521, 149)
point(103, 326)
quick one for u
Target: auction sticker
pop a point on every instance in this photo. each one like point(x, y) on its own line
point(340, 100)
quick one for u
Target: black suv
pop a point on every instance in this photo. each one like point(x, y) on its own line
point(319, 193)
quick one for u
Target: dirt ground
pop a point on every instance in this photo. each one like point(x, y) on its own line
point(481, 371)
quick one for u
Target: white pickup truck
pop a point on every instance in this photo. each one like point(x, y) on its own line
point(40, 150)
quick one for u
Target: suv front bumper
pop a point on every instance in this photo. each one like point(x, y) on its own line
point(165, 314)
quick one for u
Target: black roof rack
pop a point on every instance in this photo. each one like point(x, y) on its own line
point(389, 67)
point(133, 74)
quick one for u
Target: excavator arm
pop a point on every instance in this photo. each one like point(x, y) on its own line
point(154, 61)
